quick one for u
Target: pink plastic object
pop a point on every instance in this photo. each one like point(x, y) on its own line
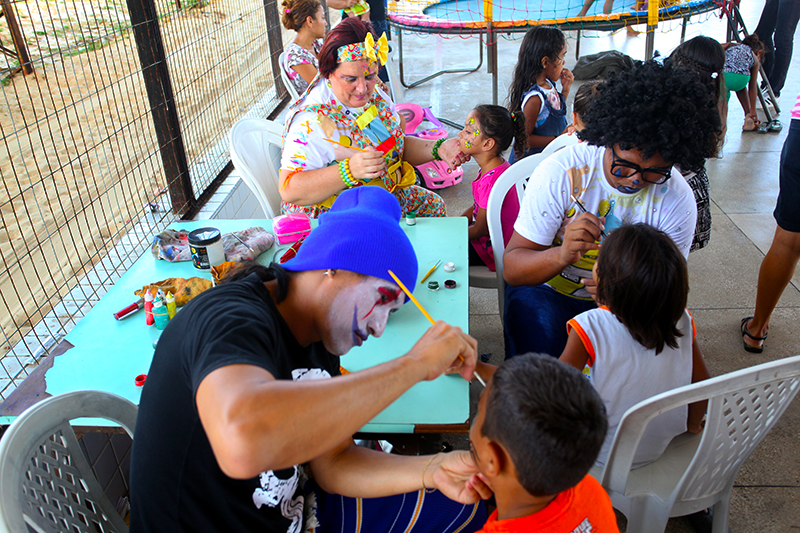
point(437, 174)
point(291, 227)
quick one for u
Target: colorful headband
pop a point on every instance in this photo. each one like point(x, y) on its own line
point(369, 49)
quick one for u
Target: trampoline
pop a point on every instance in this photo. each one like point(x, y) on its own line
point(489, 18)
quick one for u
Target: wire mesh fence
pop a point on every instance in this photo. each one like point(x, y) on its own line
point(120, 126)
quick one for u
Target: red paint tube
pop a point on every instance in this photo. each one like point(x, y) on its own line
point(131, 309)
point(292, 251)
point(148, 308)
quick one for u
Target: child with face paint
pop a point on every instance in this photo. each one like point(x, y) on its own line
point(488, 132)
point(641, 341)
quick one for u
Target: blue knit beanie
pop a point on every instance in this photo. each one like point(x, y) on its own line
point(361, 233)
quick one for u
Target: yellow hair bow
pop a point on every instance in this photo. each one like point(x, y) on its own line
point(378, 51)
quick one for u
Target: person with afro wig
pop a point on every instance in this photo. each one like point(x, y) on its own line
point(644, 123)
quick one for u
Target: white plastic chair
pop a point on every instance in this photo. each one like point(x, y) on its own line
point(46, 481)
point(560, 142)
point(285, 77)
point(397, 92)
point(256, 153)
point(516, 175)
point(697, 471)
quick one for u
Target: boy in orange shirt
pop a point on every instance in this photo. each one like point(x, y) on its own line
point(539, 427)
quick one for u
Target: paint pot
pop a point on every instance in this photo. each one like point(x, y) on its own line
point(433, 285)
point(450, 284)
point(139, 380)
point(449, 267)
point(206, 247)
point(411, 218)
point(160, 314)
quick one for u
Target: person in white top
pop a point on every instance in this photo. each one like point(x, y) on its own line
point(641, 341)
point(644, 121)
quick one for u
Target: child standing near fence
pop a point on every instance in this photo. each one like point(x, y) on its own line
point(742, 62)
point(488, 132)
point(533, 89)
point(641, 340)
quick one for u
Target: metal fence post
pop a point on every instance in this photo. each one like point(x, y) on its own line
point(147, 32)
point(275, 44)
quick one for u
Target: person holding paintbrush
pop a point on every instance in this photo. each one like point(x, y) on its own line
point(344, 132)
point(244, 397)
point(644, 122)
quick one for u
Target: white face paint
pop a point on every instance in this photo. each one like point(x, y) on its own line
point(359, 311)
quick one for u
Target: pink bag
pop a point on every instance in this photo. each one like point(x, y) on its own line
point(291, 227)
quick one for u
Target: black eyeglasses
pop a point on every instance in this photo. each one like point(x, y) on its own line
point(654, 175)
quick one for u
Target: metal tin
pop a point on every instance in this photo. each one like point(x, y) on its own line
point(433, 285)
point(450, 284)
point(449, 267)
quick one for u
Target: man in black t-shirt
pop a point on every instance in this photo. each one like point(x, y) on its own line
point(237, 397)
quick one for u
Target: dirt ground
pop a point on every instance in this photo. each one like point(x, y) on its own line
point(80, 159)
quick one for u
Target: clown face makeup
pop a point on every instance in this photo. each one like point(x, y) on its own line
point(353, 82)
point(359, 311)
point(628, 171)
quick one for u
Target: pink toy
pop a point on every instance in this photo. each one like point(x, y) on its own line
point(437, 174)
point(291, 227)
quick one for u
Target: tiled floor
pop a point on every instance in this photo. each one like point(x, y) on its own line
point(744, 185)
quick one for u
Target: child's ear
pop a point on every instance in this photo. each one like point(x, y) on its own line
point(488, 145)
point(497, 461)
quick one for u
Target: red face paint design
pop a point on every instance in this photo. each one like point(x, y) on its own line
point(387, 296)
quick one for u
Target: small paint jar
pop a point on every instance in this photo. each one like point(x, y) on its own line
point(411, 218)
point(206, 247)
point(433, 285)
point(450, 284)
point(161, 315)
point(449, 267)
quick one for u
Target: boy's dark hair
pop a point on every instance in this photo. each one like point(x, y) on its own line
point(295, 12)
point(656, 109)
point(644, 281)
point(498, 124)
point(705, 57)
point(350, 30)
point(753, 42)
point(586, 94)
point(549, 419)
point(539, 42)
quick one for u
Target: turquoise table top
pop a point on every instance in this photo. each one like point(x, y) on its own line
point(108, 354)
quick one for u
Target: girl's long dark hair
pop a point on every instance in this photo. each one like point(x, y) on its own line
point(498, 124)
point(266, 273)
point(643, 279)
point(539, 42)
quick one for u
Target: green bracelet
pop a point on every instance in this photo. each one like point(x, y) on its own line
point(346, 174)
point(435, 149)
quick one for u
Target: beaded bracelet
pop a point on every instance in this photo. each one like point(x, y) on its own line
point(435, 150)
point(347, 176)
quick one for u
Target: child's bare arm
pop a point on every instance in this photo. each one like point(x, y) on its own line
point(566, 81)
point(468, 213)
point(697, 410)
point(752, 88)
point(480, 227)
point(531, 111)
point(575, 353)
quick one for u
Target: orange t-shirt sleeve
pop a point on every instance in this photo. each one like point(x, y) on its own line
point(587, 343)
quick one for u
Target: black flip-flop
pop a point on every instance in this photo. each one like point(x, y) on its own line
point(747, 347)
